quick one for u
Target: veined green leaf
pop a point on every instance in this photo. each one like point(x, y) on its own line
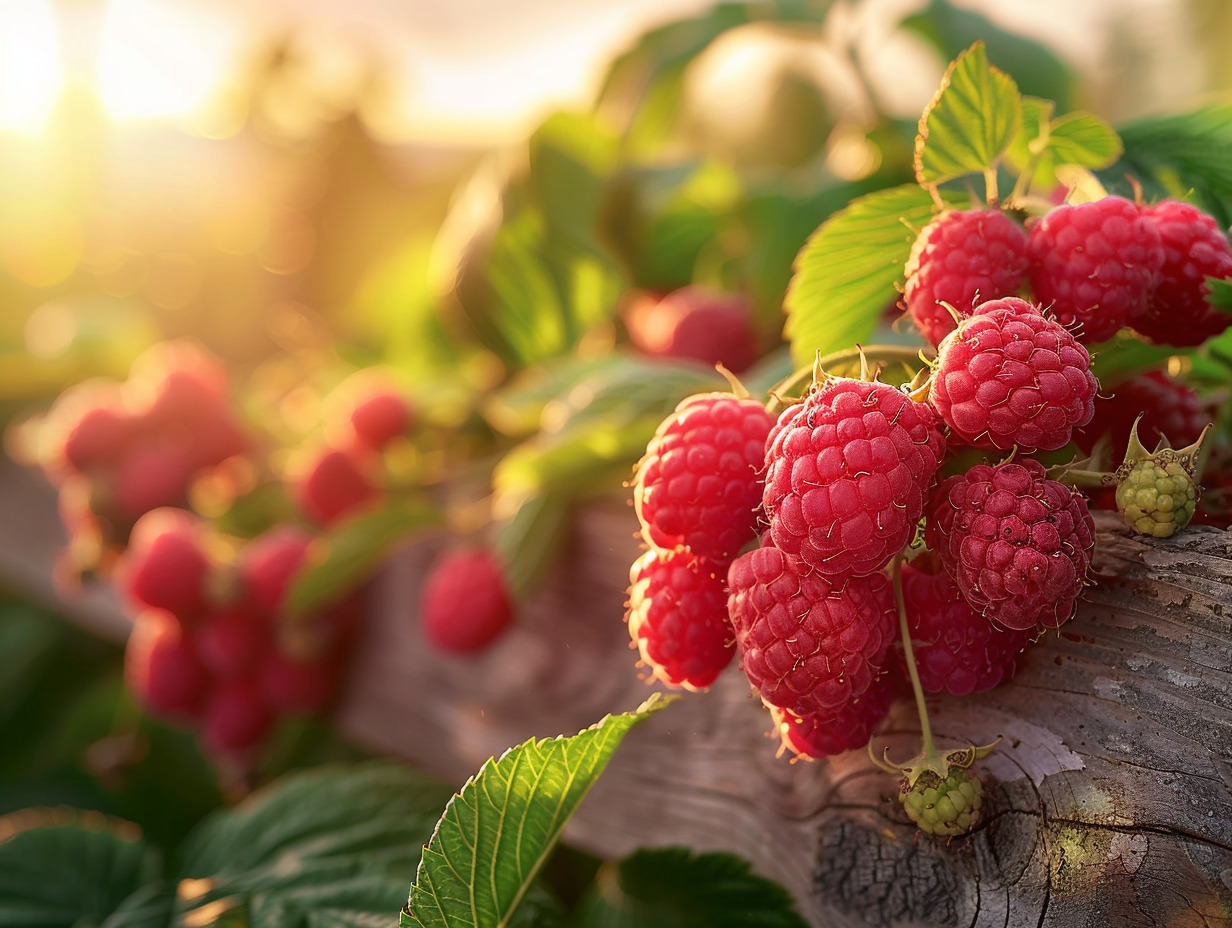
point(674, 887)
point(969, 123)
point(1083, 139)
point(497, 831)
point(846, 272)
point(1220, 295)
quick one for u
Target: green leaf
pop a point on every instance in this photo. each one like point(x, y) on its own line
point(76, 873)
point(1084, 140)
point(969, 123)
point(846, 272)
point(496, 833)
point(1220, 295)
point(341, 560)
point(1125, 355)
point(337, 840)
point(1184, 156)
point(529, 538)
point(676, 888)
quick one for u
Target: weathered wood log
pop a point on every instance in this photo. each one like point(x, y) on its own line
point(1109, 801)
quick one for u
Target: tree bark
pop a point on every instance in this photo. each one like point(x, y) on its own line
point(1108, 801)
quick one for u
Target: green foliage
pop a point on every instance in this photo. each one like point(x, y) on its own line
point(1184, 156)
point(970, 122)
point(498, 830)
point(677, 888)
point(1220, 296)
point(845, 274)
point(1043, 142)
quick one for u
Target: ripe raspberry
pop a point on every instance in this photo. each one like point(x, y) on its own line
point(1094, 264)
point(154, 473)
point(235, 718)
point(677, 618)
point(368, 409)
point(1157, 498)
point(98, 438)
point(960, 259)
point(336, 484)
point(846, 474)
point(945, 806)
point(1169, 409)
point(269, 562)
point(161, 668)
point(230, 642)
point(1017, 544)
point(808, 644)
point(956, 649)
point(1195, 248)
point(1012, 376)
point(849, 726)
point(697, 485)
point(695, 323)
point(174, 381)
point(465, 604)
point(165, 565)
point(299, 687)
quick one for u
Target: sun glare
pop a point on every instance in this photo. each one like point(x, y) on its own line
point(31, 69)
point(159, 59)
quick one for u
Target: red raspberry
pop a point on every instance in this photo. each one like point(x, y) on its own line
point(808, 644)
point(465, 604)
point(161, 668)
point(165, 565)
point(960, 259)
point(849, 726)
point(269, 563)
point(235, 717)
point(299, 687)
point(678, 618)
point(1094, 264)
point(1195, 248)
point(99, 437)
point(231, 641)
point(846, 474)
point(956, 649)
point(1169, 409)
point(695, 323)
point(367, 409)
point(1009, 375)
point(336, 484)
point(1017, 544)
point(697, 485)
point(174, 381)
point(155, 472)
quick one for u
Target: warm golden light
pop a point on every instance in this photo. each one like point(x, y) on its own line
point(159, 59)
point(31, 68)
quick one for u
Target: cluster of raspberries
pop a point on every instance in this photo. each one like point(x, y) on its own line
point(1098, 267)
point(775, 540)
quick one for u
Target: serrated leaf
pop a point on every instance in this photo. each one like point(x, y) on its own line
point(1220, 294)
point(969, 123)
point(845, 274)
point(349, 554)
point(337, 839)
point(1084, 140)
point(675, 887)
point(78, 873)
point(497, 831)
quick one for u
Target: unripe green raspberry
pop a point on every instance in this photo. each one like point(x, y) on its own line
point(1157, 497)
point(946, 806)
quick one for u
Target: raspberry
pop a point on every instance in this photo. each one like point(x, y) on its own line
point(1157, 498)
point(1094, 264)
point(697, 485)
point(465, 604)
point(1017, 544)
point(678, 618)
point(367, 409)
point(695, 323)
point(231, 641)
point(846, 474)
point(945, 806)
point(268, 564)
point(1009, 375)
point(299, 687)
point(165, 565)
point(849, 726)
point(98, 438)
point(336, 484)
point(808, 644)
point(956, 649)
point(154, 473)
point(1169, 410)
point(1195, 248)
point(161, 668)
point(235, 718)
point(174, 381)
point(962, 258)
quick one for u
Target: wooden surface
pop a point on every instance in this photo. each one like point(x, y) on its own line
point(1108, 803)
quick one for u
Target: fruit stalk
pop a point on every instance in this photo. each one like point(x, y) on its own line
point(926, 731)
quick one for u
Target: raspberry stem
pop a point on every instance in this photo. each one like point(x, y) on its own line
point(926, 730)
